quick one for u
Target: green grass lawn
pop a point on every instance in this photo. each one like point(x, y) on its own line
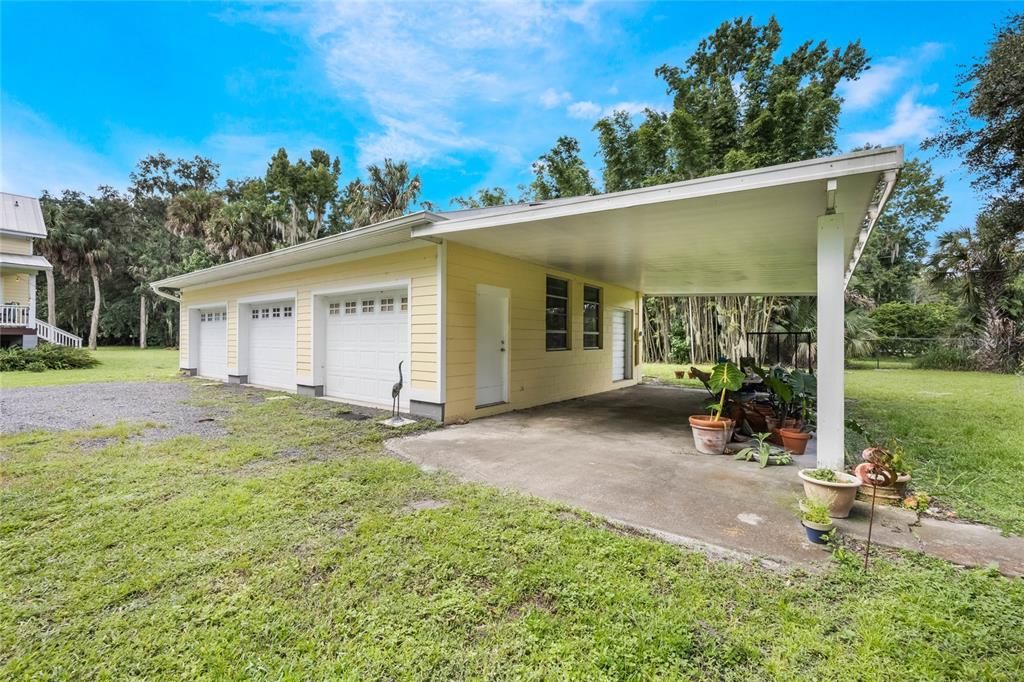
point(294, 548)
point(964, 432)
point(116, 364)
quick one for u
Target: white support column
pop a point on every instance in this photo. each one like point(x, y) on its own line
point(32, 300)
point(831, 344)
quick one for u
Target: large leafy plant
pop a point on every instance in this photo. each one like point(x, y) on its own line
point(725, 377)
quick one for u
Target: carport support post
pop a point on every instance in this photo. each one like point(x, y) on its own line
point(831, 345)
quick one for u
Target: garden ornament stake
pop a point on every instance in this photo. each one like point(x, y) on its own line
point(878, 472)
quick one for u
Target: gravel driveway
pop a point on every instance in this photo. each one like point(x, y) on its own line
point(77, 406)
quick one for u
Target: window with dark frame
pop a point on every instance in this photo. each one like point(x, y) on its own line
point(556, 336)
point(591, 317)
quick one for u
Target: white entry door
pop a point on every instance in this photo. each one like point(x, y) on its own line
point(621, 364)
point(366, 336)
point(271, 330)
point(213, 344)
point(491, 345)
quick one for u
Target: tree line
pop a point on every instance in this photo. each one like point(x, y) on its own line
point(738, 102)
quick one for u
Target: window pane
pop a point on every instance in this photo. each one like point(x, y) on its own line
point(556, 320)
point(558, 287)
point(557, 340)
point(592, 294)
point(590, 318)
point(591, 340)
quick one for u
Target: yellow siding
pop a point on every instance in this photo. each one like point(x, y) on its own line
point(16, 288)
point(536, 376)
point(417, 265)
point(16, 246)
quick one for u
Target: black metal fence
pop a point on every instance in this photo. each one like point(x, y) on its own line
point(795, 349)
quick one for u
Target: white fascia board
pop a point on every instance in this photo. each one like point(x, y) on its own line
point(886, 185)
point(868, 161)
point(337, 245)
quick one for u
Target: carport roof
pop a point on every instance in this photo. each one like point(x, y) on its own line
point(751, 232)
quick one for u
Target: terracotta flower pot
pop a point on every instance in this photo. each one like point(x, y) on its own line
point(838, 496)
point(885, 494)
point(710, 436)
point(794, 440)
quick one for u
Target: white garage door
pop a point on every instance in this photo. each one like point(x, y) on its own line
point(213, 344)
point(272, 344)
point(367, 335)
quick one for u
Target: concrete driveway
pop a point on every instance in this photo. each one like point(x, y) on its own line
point(628, 455)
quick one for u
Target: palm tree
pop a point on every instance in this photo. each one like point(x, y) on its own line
point(980, 265)
point(389, 193)
point(83, 239)
point(188, 212)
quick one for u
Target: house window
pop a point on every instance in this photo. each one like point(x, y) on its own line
point(202, 317)
point(369, 305)
point(557, 315)
point(276, 312)
point(591, 317)
point(265, 313)
point(387, 305)
point(350, 307)
point(255, 313)
point(405, 303)
point(335, 308)
point(287, 311)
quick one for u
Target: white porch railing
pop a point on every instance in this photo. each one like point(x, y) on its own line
point(56, 335)
point(15, 316)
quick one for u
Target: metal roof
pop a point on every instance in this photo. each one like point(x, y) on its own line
point(21, 215)
point(18, 263)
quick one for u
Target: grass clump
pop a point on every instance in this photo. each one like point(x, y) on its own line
point(945, 357)
point(295, 548)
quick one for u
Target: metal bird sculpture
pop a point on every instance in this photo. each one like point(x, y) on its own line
point(396, 391)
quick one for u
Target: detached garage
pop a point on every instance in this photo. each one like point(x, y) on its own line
point(503, 308)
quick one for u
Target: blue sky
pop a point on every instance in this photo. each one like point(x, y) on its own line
point(469, 94)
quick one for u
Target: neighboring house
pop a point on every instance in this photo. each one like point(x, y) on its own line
point(21, 223)
point(497, 309)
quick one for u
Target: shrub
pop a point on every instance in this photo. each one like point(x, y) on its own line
point(35, 366)
point(49, 356)
point(945, 357)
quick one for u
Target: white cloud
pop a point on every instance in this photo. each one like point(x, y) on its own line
point(881, 79)
point(551, 98)
point(586, 109)
point(911, 121)
point(431, 74)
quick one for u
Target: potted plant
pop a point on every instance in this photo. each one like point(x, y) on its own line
point(816, 521)
point(802, 394)
point(835, 489)
point(765, 453)
point(712, 433)
point(894, 458)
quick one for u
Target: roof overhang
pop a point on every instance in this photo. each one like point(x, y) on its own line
point(752, 232)
point(20, 263)
point(390, 233)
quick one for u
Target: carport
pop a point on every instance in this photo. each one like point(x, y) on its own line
point(793, 230)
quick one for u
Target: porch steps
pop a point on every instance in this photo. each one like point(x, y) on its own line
point(56, 335)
